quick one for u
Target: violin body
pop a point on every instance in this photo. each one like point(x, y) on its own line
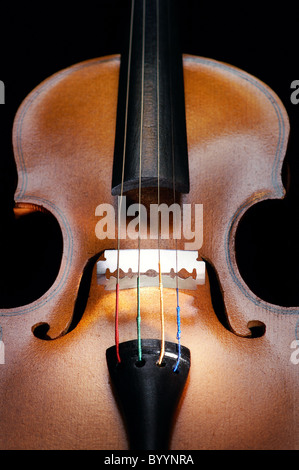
point(241, 390)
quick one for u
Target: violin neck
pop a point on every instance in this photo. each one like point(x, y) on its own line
point(151, 124)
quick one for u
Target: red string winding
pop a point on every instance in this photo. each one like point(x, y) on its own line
point(116, 323)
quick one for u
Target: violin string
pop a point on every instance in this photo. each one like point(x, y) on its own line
point(178, 309)
point(162, 350)
point(139, 195)
point(122, 187)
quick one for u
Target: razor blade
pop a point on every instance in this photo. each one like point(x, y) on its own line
point(178, 268)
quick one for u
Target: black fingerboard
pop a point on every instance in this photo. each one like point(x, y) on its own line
point(151, 123)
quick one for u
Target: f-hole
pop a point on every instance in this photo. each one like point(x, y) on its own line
point(256, 327)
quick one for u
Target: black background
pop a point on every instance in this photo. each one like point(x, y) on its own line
point(37, 41)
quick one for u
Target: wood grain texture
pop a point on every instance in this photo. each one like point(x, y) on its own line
point(241, 392)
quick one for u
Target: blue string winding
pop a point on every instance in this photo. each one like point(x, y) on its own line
point(178, 336)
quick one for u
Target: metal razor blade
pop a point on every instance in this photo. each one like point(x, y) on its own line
point(179, 269)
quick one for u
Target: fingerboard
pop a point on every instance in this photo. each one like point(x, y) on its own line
point(151, 139)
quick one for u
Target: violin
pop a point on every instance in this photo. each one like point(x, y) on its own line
point(148, 337)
